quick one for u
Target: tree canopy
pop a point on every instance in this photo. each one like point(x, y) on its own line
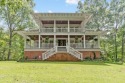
point(16, 15)
point(107, 15)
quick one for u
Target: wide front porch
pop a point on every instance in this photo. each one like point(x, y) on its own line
point(50, 41)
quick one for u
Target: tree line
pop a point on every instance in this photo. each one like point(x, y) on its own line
point(107, 15)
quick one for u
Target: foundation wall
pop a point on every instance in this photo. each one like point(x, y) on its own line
point(91, 54)
point(61, 56)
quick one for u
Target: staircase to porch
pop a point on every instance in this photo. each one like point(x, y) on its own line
point(62, 53)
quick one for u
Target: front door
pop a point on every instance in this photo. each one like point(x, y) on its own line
point(62, 42)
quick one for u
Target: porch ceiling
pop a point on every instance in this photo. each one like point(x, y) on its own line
point(60, 22)
point(36, 37)
point(74, 18)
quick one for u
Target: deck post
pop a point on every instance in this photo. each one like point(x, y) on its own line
point(84, 41)
point(98, 41)
point(30, 43)
point(68, 40)
point(39, 41)
point(68, 45)
point(25, 42)
point(68, 26)
point(54, 25)
point(54, 40)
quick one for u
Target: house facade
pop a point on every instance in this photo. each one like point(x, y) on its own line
point(61, 36)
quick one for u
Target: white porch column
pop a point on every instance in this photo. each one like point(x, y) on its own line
point(68, 43)
point(68, 40)
point(25, 42)
point(98, 41)
point(54, 25)
point(83, 26)
point(30, 43)
point(68, 26)
point(39, 41)
point(84, 41)
point(54, 40)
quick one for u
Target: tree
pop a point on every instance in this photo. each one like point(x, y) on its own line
point(117, 8)
point(16, 15)
point(123, 35)
point(99, 10)
point(121, 41)
point(3, 44)
point(109, 15)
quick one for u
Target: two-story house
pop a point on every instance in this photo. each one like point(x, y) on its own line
point(61, 36)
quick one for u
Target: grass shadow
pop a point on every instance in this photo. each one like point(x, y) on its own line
point(100, 63)
point(115, 63)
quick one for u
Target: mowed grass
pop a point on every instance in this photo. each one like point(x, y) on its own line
point(61, 72)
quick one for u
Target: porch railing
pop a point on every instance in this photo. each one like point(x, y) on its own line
point(61, 29)
point(47, 45)
point(76, 30)
point(81, 45)
point(62, 48)
point(90, 45)
point(48, 30)
point(42, 45)
point(73, 45)
point(77, 45)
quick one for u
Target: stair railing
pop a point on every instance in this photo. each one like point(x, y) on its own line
point(49, 53)
point(74, 52)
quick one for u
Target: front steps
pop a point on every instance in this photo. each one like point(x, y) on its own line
point(62, 54)
point(62, 57)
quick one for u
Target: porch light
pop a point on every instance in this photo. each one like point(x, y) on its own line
point(108, 33)
point(95, 38)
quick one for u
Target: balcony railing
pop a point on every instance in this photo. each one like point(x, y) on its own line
point(48, 30)
point(61, 29)
point(76, 30)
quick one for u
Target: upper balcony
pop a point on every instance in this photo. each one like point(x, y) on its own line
point(66, 30)
point(61, 30)
point(61, 22)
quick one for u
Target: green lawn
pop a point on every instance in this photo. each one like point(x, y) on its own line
point(61, 72)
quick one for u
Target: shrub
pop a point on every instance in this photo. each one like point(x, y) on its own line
point(35, 57)
point(22, 59)
point(88, 58)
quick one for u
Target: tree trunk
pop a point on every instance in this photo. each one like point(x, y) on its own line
point(115, 48)
point(116, 43)
point(3, 54)
point(10, 45)
point(123, 48)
